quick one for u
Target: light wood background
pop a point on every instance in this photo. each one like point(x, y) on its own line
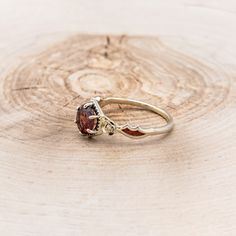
point(179, 55)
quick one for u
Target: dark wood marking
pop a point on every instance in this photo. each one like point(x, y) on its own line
point(27, 88)
point(108, 40)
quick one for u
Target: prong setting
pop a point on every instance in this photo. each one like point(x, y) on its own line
point(103, 123)
point(87, 119)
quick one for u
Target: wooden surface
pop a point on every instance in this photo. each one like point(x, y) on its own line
point(179, 55)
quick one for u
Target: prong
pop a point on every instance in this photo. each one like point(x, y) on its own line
point(88, 104)
point(91, 131)
point(97, 99)
point(92, 117)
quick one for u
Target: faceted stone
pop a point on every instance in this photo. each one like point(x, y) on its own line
point(83, 121)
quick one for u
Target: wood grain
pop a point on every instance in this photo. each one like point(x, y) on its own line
point(54, 182)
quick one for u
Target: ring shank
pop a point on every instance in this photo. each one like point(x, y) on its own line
point(148, 131)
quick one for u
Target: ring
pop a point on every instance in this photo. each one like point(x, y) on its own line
point(91, 120)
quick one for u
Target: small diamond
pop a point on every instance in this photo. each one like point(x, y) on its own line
point(110, 129)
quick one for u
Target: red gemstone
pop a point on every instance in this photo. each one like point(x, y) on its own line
point(83, 121)
point(132, 132)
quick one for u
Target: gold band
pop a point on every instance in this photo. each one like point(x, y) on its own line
point(86, 119)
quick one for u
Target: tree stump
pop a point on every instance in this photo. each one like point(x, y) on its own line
point(55, 182)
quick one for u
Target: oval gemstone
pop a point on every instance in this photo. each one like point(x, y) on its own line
point(83, 121)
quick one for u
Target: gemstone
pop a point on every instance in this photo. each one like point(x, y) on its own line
point(132, 132)
point(83, 121)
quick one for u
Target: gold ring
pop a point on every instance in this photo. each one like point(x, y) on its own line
point(91, 120)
